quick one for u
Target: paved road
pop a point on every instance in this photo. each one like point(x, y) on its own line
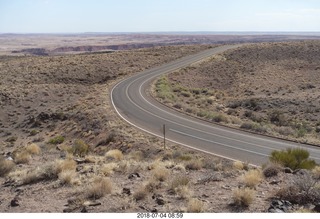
point(134, 104)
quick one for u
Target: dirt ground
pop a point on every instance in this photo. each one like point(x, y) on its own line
point(64, 149)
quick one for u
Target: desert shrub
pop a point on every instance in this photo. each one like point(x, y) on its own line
point(254, 127)
point(80, 148)
point(160, 173)
point(220, 118)
point(302, 190)
point(140, 194)
point(179, 180)
point(33, 149)
point(316, 172)
point(186, 93)
point(271, 170)
point(5, 166)
point(56, 140)
point(195, 206)
point(284, 130)
point(296, 158)
point(194, 164)
point(115, 154)
point(243, 197)
point(185, 157)
point(252, 178)
point(99, 188)
point(276, 117)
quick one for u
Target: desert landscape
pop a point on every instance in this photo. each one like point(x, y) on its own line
point(63, 148)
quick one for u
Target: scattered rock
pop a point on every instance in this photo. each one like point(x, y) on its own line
point(134, 176)
point(91, 203)
point(154, 210)
point(84, 210)
point(160, 201)
point(280, 206)
point(301, 172)
point(126, 191)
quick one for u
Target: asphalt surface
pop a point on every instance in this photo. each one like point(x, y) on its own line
point(134, 104)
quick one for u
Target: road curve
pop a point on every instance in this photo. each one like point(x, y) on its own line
point(133, 103)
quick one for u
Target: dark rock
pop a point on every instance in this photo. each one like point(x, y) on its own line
point(84, 210)
point(280, 206)
point(154, 210)
point(160, 201)
point(14, 202)
point(287, 170)
point(274, 182)
point(134, 176)
point(301, 172)
point(126, 191)
point(67, 210)
point(317, 208)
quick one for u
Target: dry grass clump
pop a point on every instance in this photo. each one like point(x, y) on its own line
point(33, 149)
point(243, 197)
point(63, 165)
point(183, 192)
point(5, 166)
point(238, 165)
point(47, 172)
point(22, 157)
point(252, 178)
point(108, 169)
point(160, 173)
point(99, 188)
point(115, 154)
point(195, 206)
point(67, 177)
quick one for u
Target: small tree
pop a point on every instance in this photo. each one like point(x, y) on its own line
point(294, 158)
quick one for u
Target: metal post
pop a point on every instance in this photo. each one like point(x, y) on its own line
point(164, 136)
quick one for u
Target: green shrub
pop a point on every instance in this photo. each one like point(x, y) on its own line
point(56, 140)
point(80, 148)
point(296, 158)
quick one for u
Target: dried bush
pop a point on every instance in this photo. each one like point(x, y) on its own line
point(271, 170)
point(67, 177)
point(296, 158)
point(195, 206)
point(243, 197)
point(21, 157)
point(183, 192)
point(252, 178)
point(179, 180)
point(239, 165)
point(194, 164)
point(302, 190)
point(115, 154)
point(99, 188)
point(80, 148)
point(5, 166)
point(107, 169)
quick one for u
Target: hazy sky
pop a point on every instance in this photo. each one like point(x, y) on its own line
point(54, 16)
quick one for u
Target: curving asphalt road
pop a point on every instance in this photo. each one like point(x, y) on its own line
point(134, 104)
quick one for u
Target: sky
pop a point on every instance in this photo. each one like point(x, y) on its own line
point(78, 16)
